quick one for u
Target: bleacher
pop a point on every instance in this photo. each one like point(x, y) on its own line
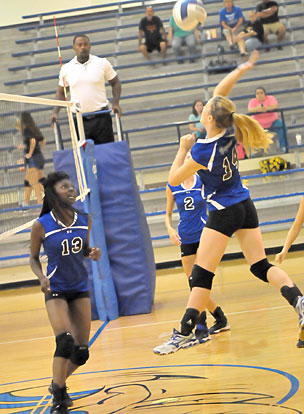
point(157, 99)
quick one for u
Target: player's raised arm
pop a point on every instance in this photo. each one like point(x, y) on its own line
point(226, 84)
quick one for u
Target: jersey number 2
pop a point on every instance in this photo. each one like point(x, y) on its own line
point(76, 246)
point(189, 203)
point(226, 165)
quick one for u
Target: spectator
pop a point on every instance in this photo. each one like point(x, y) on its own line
point(33, 141)
point(252, 34)
point(179, 37)
point(268, 11)
point(85, 77)
point(231, 21)
point(151, 27)
point(269, 120)
point(197, 127)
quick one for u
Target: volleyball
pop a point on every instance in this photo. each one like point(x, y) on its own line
point(189, 13)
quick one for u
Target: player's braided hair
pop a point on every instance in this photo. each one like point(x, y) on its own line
point(51, 200)
point(247, 130)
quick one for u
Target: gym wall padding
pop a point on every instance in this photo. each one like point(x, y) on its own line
point(102, 291)
point(127, 234)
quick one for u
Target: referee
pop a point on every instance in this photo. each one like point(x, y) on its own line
point(85, 76)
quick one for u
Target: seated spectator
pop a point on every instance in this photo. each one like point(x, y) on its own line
point(178, 37)
point(268, 11)
point(252, 34)
point(152, 29)
point(268, 120)
point(197, 127)
point(231, 22)
point(240, 151)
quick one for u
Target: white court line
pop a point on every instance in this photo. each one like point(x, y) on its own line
point(31, 339)
point(178, 320)
point(150, 324)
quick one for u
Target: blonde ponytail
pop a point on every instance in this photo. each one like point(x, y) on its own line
point(247, 130)
point(250, 133)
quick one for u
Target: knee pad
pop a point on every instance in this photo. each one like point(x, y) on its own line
point(189, 321)
point(80, 354)
point(200, 278)
point(26, 184)
point(64, 345)
point(260, 269)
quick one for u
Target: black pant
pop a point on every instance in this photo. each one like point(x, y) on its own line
point(98, 128)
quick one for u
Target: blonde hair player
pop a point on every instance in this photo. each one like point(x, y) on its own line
point(231, 210)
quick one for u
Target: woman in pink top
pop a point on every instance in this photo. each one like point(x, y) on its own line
point(268, 120)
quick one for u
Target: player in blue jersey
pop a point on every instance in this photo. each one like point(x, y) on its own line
point(231, 210)
point(192, 219)
point(64, 234)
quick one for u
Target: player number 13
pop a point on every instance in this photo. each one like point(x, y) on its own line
point(76, 246)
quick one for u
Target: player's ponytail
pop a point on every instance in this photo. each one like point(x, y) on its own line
point(250, 133)
point(247, 130)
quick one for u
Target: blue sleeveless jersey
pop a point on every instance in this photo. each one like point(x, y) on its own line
point(64, 249)
point(192, 211)
point(222, 184)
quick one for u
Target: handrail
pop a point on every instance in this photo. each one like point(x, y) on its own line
point(126, 26)
point(116, 53)
point(167, 75)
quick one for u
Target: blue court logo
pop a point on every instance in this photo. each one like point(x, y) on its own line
point(160, 389)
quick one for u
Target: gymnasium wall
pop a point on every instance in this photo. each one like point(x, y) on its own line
point(9, 16)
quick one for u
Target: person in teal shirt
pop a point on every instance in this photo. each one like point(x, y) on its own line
point(197, 127)
point(178, 37)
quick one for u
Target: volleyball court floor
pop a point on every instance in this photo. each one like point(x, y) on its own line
point(254, 368)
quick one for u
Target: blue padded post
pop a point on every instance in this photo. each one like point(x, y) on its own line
point(103, 295)
point(127, 234)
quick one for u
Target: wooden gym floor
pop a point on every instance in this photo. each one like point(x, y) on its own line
point(254, 368)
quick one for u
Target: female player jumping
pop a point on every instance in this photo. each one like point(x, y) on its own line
point(231, 210)
point(64, 233)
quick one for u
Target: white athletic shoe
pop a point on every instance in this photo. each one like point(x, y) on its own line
point(300, 311)
point(176, 342)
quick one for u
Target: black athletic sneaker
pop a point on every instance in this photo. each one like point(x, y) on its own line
point(59, 409)
point(67, 400)
point(221, 322)
point(202, 334)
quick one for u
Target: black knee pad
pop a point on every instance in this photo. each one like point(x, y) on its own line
point(26, 183)
point(80, 354)
point(64, 345)
point(189, 321)
point(260, 269)
point(200, 278)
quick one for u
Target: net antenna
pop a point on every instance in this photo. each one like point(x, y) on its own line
point(82, 184)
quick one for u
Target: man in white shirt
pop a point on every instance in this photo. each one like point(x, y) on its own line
point(85, 76)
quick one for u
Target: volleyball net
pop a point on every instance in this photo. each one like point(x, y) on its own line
point(21, 191)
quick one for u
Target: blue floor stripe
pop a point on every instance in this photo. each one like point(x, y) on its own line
point(97, 333)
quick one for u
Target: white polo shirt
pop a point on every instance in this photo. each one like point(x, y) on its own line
point(87, 82)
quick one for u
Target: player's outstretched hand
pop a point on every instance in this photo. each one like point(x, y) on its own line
point(45, 285)
point(187, 141)
point(244, 67)
point(280, 257)
point(95, 253)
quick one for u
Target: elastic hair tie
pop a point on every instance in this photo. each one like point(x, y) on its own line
point(231, 114)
